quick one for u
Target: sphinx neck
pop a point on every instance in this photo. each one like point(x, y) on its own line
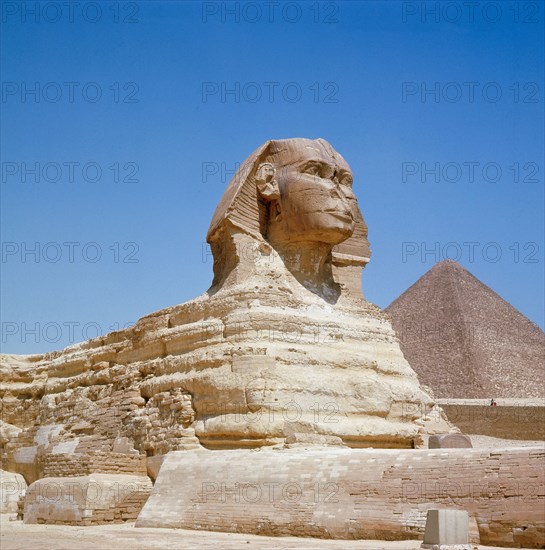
point(310, 264)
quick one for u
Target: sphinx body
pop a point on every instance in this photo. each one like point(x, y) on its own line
point(282, 349)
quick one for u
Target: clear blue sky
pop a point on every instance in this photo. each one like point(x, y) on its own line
point(350, 72)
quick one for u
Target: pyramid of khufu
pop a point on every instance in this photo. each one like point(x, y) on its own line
point(465, 341)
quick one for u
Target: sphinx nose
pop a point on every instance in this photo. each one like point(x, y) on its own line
point(335, 192)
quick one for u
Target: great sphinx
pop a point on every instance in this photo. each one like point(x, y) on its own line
point(283, 349)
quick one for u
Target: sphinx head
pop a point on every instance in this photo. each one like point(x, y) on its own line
point(307, 190)
point(292, 195)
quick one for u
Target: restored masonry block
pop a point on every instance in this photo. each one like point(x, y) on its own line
point(59, 465)
point(328, 492)
point(87, 500)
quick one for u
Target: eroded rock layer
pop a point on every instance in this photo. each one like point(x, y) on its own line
point(250, 366)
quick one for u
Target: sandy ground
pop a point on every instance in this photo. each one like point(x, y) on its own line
point(14, 535)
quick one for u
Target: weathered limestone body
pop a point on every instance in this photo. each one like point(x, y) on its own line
point(283, 348)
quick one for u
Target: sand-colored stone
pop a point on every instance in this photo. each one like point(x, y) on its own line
point(282, 349)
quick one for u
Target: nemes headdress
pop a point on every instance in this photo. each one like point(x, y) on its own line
point(241, 209)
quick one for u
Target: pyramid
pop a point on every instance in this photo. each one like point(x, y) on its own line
point(465, 341)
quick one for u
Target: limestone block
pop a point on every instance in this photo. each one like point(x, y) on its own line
point(86, 500)
point(446, 527)
point(124, 445)
point(12, 488)
point(449, 441)
point(25, 460)
point(8, 432)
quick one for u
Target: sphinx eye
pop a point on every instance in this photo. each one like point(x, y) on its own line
point(345, 179)
point(312, 169)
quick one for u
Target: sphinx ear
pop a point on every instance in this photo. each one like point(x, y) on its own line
point(266, 183)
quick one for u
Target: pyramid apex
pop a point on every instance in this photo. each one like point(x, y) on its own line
point(447, 262)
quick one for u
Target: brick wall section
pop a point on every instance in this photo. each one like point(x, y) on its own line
point(352, 493)
point(504, 421)
point(92, 418)
point(68, 465)
point(163, 424)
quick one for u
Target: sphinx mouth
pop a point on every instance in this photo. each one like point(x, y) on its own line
point(345, 216)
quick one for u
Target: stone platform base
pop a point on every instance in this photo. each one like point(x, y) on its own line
point(352, 493)
point(86, 500)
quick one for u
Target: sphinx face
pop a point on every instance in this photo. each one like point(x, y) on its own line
point(316, 201)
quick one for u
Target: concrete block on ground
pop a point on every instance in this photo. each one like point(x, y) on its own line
point(446, 527)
